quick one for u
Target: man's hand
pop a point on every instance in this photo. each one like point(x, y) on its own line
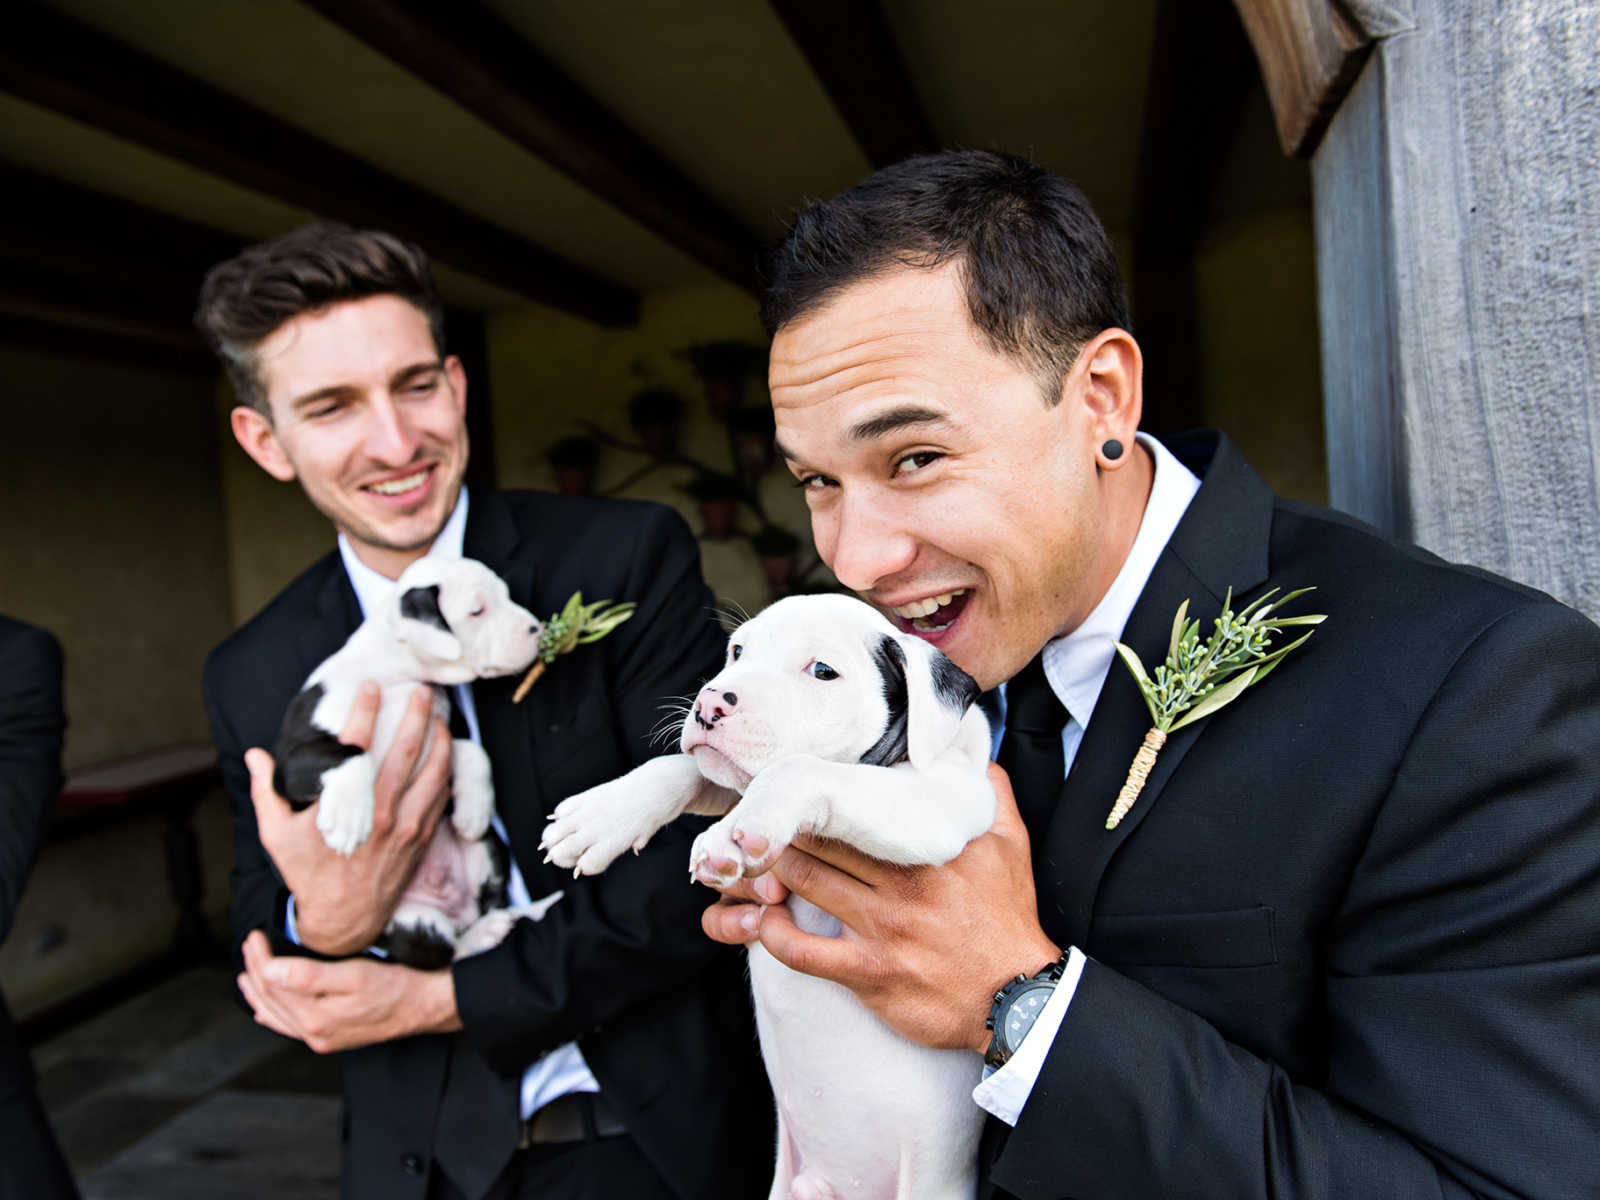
point(924, 947)
point(342, 903)
point(338, 1006)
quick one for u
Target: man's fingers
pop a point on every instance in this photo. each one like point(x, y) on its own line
point(821, 883)
point(400, 760)
point(362, 718)
point(271, 808)
point(840, 959)
point(423, 802)
point(731, 922)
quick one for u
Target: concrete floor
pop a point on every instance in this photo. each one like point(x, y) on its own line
point(176, 1094)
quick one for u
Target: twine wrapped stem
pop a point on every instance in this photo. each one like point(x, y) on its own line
point(1137, 774)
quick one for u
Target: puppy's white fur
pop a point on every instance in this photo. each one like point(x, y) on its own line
point(450, 621)
point(776, 741)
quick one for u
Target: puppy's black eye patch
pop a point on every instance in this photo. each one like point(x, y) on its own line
point(890, 660)
point(422, 604)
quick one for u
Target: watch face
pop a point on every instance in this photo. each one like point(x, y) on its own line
point(1024, 1010)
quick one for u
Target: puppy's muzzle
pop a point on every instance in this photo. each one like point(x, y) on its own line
point(707, 712)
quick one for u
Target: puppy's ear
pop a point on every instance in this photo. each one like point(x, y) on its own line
point(420, 624)
point(927, 695)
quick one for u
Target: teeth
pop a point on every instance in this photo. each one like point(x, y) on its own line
point(923, 608)
point(395, 486)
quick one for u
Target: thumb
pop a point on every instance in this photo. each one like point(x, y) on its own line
point(270, 807)
point(1007, 819)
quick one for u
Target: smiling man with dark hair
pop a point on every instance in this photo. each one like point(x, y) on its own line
point(554, 1065)
point(1343, 943)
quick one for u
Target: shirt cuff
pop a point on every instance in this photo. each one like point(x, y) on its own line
point(1003, 1092)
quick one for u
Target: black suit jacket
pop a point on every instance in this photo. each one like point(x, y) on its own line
point(1345, 945)
point(660, 1012)
point(32, 720)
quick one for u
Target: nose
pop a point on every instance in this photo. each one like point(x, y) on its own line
point(709, 707)
point(390, 438)
point(864, 542)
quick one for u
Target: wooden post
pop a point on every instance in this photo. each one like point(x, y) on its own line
point(1458, 258)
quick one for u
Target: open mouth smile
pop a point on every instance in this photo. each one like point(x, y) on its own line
point(403, 487)
point(933, 614)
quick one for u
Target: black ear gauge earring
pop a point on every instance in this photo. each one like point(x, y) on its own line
point(1112, 449)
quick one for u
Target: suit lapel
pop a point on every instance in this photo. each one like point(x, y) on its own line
point(338, 612)
point(1220, 543)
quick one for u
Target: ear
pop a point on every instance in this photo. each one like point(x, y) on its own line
point(456, 375)
point(420, 623)
point(259, 440)
point(934, 692)
point(1106, 384)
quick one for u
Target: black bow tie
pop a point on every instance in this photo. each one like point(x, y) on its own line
point(1030, 752)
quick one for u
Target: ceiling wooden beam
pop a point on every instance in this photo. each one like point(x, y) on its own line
point(1201, 73)
point(1310, 53)
point(84, 256)
point(852, 49)
point(73, 247)
point(479, 61)
point(52, 61)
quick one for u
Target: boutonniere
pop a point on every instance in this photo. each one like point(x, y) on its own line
point(1199, 677)
point(575, 625)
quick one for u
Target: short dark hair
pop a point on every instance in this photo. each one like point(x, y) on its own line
point(1040, 275)
point(245, 299)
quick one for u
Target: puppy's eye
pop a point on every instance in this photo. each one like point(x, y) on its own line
point(823, 671)
point(735, 651)
point(477, 612)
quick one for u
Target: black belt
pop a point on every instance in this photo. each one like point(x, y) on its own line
point(575, 1117)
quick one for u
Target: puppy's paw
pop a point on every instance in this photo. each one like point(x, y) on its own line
point(715, 859)
point(588, 832)
point(489, 930)
point(745, 842)
point(344, 810)
point(472, 789)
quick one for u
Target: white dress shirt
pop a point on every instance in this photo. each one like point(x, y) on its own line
point(563, 1069)
point(1076, 667)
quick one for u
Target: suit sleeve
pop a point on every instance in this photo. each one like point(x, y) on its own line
point(1462, 985)
point(259, 895)
point(622, 938)
point(32, 720)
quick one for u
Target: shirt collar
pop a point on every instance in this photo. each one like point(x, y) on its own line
point(372, 589)
point(1076, 665)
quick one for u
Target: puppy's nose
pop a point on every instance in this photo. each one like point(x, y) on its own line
point(709, 709)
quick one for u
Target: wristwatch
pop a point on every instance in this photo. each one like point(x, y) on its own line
point(1016, 1007)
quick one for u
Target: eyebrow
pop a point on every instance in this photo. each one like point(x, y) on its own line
point(895, 419)
point(889, 421)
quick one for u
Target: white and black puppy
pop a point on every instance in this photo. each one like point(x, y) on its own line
point(450, 621)
point(827, 720)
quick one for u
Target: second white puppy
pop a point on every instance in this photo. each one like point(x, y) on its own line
point(451, 621)
point(825, 719)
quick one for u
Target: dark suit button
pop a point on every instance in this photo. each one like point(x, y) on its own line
point(411, 1164)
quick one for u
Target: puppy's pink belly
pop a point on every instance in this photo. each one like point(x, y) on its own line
point(441, 878)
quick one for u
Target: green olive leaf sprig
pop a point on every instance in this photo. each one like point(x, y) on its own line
point(575, 625)
point(1199, 678)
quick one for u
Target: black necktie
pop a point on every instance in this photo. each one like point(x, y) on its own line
point(1030, 752)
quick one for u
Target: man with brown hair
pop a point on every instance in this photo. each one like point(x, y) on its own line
point(604, 1051)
